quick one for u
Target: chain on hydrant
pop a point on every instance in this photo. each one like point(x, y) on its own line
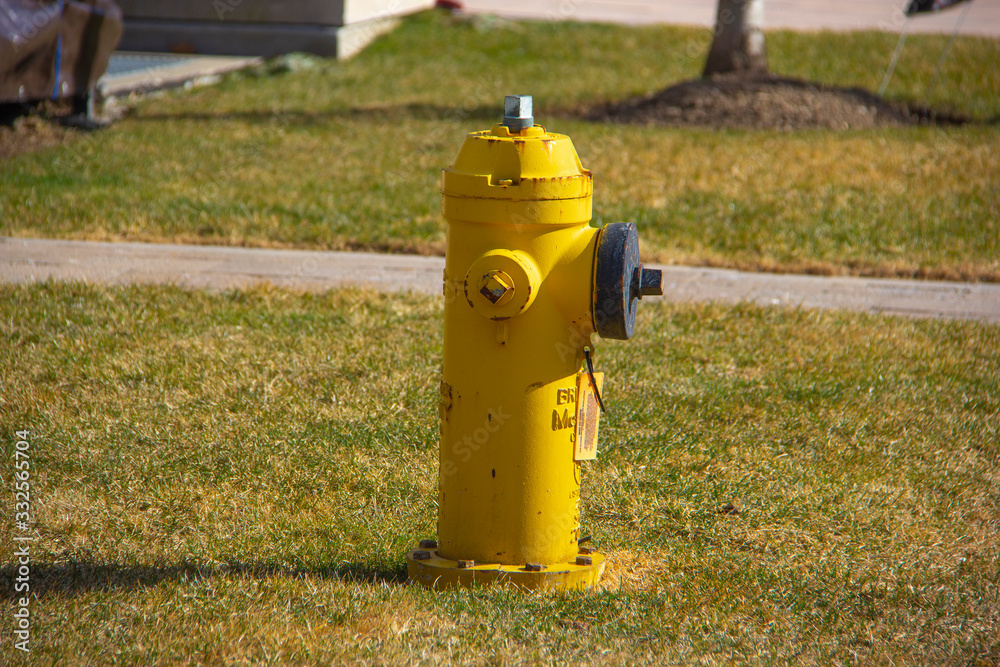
point(527, 282)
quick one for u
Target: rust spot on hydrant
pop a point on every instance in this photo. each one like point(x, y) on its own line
point(446, 401)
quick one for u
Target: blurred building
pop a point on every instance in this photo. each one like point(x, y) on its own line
point(338, 28)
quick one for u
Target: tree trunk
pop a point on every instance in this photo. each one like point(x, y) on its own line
point(738, 45)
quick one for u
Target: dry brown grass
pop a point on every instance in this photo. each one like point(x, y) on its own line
point(233, 479)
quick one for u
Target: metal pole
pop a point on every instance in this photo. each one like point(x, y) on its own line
point(944, 54)
point(895, 57)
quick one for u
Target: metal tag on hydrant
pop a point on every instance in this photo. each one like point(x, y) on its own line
point(588, 416)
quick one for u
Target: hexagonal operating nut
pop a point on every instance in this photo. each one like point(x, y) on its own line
point(497, 287)
point(517, 112)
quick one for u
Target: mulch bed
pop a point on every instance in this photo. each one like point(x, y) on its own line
point(764, 103)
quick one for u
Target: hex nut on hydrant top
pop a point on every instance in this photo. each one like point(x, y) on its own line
point(527, 282)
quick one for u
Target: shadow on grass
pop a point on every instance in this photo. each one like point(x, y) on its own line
point(412, 111)
point(680, 105)
point(78, 577)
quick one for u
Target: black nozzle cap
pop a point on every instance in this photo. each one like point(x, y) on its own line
point(620, 281)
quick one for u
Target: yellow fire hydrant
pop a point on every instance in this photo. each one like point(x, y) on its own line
point(527, 281)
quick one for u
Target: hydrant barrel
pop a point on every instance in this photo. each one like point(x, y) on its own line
point(518, 414)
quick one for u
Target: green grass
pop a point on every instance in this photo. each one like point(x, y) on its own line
point(234, 478)
point(348, 155)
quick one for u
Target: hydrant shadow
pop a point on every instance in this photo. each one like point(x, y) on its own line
point(76, 577)
point(383, 113)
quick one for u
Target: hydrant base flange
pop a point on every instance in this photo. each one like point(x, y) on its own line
point(439, 573)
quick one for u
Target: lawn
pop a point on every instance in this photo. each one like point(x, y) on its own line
point(234, 478)
point(347, 155)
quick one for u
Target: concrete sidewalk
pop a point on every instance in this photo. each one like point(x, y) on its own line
point(213, 267)
point(981, 17)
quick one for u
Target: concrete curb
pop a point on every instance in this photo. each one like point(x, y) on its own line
point(157, 76)
point(25, 261)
